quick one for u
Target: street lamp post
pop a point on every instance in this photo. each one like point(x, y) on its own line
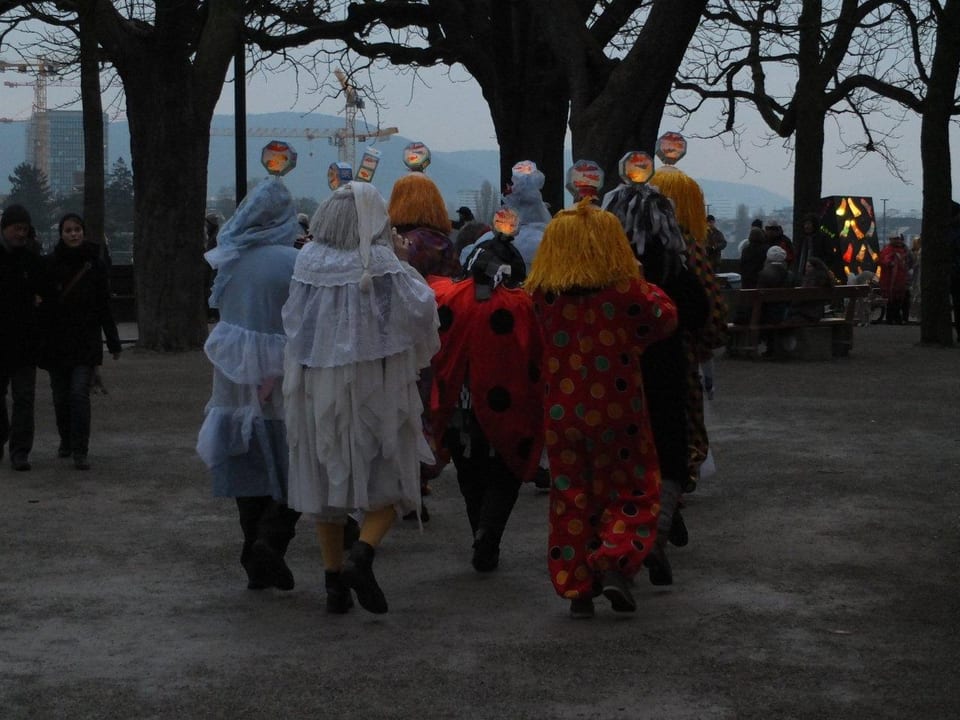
point(240, 121)
point(884, 225)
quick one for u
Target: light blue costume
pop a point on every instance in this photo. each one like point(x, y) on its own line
point(526, 200)
point(243, 439)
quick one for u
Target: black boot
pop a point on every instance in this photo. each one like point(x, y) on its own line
point(486, 551)
point(250, 509)
point(357, 574)
point(267, 565)
point(351, 533)
point(339, 599)
point(678, 535)
point(659, 566)
point(275, 530)
point(617, 590)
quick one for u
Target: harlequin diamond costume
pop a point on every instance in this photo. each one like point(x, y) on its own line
point(360, 324)
point(691, 215)
point(487, 397)
point(598, 315)
point(658, 242)
point(243, 438)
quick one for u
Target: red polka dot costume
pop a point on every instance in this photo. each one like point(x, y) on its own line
point(605, 496)
point(494, 349)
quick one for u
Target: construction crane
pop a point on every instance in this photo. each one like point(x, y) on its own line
point(41, 69)
point(346, 142)
point(345, 138)
point(307, 133)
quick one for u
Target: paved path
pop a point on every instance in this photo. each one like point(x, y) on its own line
point(821, 580)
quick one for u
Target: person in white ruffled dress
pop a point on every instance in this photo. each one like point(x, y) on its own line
point(360, 324)
point(243, 439)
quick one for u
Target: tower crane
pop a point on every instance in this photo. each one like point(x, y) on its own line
point(41, 69)
point(306, 133)
point(345, 138)
point(346, 141)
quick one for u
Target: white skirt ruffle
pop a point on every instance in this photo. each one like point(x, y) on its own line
point(355, 436)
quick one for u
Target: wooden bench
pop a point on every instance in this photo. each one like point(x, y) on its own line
point(795, 337)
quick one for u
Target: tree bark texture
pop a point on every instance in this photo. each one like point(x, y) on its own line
point(807, 114)
point(93, 155)
point(528, 101)
point(172, 74)
point(617, 106)
point(938, 106)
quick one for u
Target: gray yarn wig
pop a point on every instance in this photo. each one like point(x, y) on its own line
point(335, 223)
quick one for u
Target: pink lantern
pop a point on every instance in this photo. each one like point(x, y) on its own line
point(636, 167)
point(278, 158)
point(368, 164)
point(416, 156)
point(671, 147)
point(506, 221)
point(525, 167)
point(584, 179)
point(339, 174)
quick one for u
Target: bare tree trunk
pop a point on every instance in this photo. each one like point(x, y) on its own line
point(935, 325)
point(169, 147)
point(528, 101)
point(93, 159)
point(807, 115)
point(531, 124)
point(617, 108)
point(172, 74)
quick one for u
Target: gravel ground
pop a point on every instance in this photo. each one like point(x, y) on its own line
point(821, 580)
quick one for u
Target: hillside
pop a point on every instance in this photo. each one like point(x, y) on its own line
point(452, 171)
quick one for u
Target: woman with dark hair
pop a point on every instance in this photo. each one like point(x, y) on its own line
point(73, 317)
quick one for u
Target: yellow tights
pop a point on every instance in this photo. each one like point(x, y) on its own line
point(375, 525)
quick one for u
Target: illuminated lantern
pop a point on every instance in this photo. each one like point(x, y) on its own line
point(851, 222)
point(524, 167)
point(671, 147)
point(278, 158)
point(584, 179)
point(636, 168)
point(339, 174)
point(416, 156)
point(368, 164)
point(506, 221)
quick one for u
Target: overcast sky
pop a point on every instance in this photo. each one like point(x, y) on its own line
point(449, 113)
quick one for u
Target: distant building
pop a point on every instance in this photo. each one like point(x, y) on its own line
point(58, 147)
point(469, 198)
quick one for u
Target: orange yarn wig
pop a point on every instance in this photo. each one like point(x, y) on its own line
point(416, 201)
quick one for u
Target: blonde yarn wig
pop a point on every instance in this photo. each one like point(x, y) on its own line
point(582, 247)
point(687, 197)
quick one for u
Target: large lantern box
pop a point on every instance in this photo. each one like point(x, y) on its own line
point(852, 220)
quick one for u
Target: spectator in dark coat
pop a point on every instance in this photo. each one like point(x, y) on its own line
point(464, 215)
point(716, 242)
point(753, 257)
point(20, 285)
point(817, 275)
point(775, 236)
point(775, 274)
point(73, 317)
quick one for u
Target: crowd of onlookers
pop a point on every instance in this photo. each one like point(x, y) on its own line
point(55, 307)
point(771, 259)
